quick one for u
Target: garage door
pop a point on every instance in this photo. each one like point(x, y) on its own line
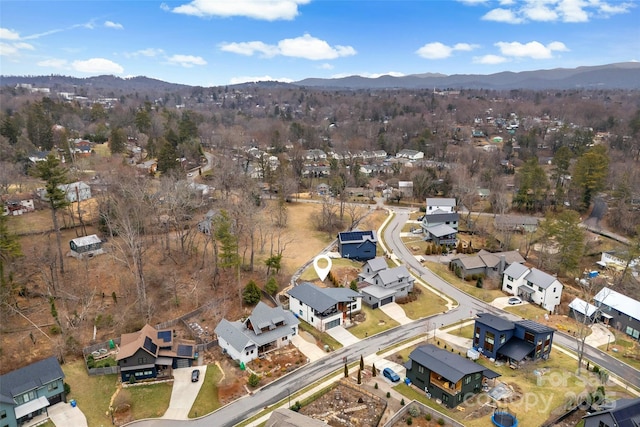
point(332, 324)
point(55, 399)
point(386, 301)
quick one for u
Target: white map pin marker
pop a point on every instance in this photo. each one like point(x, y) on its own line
point(322, 272)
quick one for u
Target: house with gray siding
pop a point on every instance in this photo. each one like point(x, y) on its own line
point(26, 393)
point(620, 311)
point(624, 413)
point(323, 308)
point(379, 284)
point(486, 263)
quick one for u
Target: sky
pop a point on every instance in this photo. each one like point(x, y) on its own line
point(221, 42)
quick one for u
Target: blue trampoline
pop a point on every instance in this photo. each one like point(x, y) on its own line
point(504, 419)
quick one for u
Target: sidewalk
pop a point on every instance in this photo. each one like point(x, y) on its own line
point(309, 349)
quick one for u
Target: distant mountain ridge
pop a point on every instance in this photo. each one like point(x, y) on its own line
point(624, 75)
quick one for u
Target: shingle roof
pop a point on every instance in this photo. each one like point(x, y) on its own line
point(445, 363)
point(540, 278)
point(441, 230)
point(264, 316)
point(496, 322)
point(321, 299)
point(439, 216)
point(233, 333)
point(441, 201)
point(377, 264)
point(130, 343)
point(391, 275)
point(618, 301)
point(516, 270)
point(29, 377)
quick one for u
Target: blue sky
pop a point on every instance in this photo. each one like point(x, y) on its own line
point(211, 42)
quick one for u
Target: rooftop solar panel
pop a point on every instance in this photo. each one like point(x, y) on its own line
point(150, 346)
point(185, 350)
point(164, 336)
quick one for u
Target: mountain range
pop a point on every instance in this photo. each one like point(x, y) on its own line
point(625, 75)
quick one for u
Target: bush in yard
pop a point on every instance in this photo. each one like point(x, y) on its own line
point(272, 286)
point(251, 293)
point(376, 386)
point(414, 411)
point(409, 421)
point(402, 402)
point(440, 421)
point(254, 380)
point(427, 417)
point(67, 388)
point(296, 406)
point(388, 394)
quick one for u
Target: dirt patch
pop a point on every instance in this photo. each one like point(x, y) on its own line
point(346, 405)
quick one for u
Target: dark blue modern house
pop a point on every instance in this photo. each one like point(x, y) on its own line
point(499, 338)
point(358, 245)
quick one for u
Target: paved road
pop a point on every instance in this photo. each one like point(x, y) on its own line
point(468, 307)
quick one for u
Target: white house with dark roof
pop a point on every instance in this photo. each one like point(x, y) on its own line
point(380, 285)
point(440, 205)
point(620, 311)
point(323, 308)
point(532, 285)
point(265, 330)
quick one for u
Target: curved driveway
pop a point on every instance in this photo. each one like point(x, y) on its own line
point(278, 390)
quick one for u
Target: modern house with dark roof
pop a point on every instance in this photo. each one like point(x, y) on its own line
point(444, 375)
point(323, 308)
point(440, 221)
point(380, 285)
point(496, 337)
point(486, 263)
point(359, 245)
point(152, 353)
point(532, 285)
point(265, 330)
point(27, 392)
point(624, 413)
point(620, 311)
point(88, 246)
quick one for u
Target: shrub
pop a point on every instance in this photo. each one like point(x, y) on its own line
point(254, 380)
point(132, 379)
point(272, 286)
point(409, 421)
point(427, 417)
point(402, 402)
point(55, 330)
point(414, 411)
point(440, 421)
point(296, 406)
point(67, 388)
point(388, 394)
point(596, 369)
point(376, 386)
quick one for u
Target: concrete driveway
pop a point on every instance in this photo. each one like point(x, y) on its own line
point(396, 312)
point(184, 393)
point(503, 302)
point(63, 414)
point(599, 335)
point(306, 347)
point(344, 337)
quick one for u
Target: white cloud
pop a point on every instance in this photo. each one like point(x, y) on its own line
point(53, 63)
point(555, 10)
point(437, 50)
point(502, 15)
point(149, 53)
point(268, 10)
point(114, 25)
point(473, 2)
point(249, 79)
point(7, 34)
point(534, 49)
point(307, 47)
point(97, 65)
point(13, 49)
point(326, 66)
point(186, 61)
point(489, 59)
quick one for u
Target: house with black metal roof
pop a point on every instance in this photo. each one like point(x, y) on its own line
point(624, 413)
point(27, 392)
point(498, 338)
point(359, 245)
point(266, 329)
point(445, 375)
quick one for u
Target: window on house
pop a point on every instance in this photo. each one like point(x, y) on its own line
point(300, 312)
point(477, 331)
point(503, 339)
point(529, 337)
point(312, 320)
point(554, 290)
point(3, 414)
point(489, 338)
point(284, 338)
point(445, 398)
point(602, 424)
point(26, 397)
point(140, 360)
point(52, 386)
point(540, 289)
point(467, 379)
point(509, 278)
point(509, 287)
point(477, 375)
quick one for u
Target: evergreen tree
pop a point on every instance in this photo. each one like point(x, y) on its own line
point(10, 129)
point(54, 175)
point(251, 294)
point(361, 362)
point(9, 250)
point(272, 286)
point(590, 173)
point(118, 140)
point(167, 158)
point(39, 127)
point(228, 241)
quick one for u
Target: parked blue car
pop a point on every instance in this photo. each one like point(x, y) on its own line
point(389, 373)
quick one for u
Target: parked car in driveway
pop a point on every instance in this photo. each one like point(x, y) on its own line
point(514, 301)
point(390, 373)
point(195, 375)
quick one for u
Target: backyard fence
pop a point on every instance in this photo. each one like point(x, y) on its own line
point(424, 409)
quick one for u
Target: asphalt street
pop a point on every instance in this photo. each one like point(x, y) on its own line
point(468, 307)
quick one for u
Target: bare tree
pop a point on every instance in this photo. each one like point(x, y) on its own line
point(356, 213)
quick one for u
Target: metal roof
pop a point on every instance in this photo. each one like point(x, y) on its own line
point(445, 363)
point(618, 301)
point(86, 240)
point(321, 299)
point(540, 278)
point(516, 349)
point(516, 270)
point(377, 264)
point(391, 275)
point(441, 201)
point(582, 307)
point(441, 230)
point(378, 292)
point(496, 322)
point(536, 327)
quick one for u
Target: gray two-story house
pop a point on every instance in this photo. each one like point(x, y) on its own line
point(380, 285)
point(446, 376)
point(620, 311)
point(27, 392)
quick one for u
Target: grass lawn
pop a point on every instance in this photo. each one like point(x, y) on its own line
point(427, 304)
point(628, 349)
point(93, 394)
point(526, 311)
point(539, 398)
point(376, 322)
point(323, 337)
point(207, 400)
point(486, 295)
point(310, 273)
point(150, 401)
point(464, 332)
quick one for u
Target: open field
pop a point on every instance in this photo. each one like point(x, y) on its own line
point(425, 305)
point(484, 294)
